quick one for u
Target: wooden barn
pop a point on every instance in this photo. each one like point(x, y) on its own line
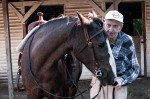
point(23, 12)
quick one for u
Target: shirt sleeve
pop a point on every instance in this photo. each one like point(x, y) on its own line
point(132, 71)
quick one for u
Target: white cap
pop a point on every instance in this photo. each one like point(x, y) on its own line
point(115, 15)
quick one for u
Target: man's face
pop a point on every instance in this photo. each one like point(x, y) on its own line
point(112, 27)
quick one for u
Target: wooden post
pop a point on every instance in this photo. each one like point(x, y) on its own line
point(8, 48)
point(24, 29)
point(115, 5)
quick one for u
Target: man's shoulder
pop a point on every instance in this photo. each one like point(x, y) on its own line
point(125, 37)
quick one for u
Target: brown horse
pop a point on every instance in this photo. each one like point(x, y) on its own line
point(42, 69)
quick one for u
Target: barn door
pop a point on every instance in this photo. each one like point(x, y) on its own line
point(49, 12)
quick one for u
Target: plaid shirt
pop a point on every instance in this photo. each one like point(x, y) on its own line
point(125, 57)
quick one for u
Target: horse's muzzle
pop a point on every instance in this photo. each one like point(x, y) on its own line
point(106, 78)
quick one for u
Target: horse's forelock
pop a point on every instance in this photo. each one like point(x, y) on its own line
point(98, 22)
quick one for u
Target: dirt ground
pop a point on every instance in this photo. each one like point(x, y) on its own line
point(139, 89)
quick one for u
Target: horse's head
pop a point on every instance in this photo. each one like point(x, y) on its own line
point(93, 50)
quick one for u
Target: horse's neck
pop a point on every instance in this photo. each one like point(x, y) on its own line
point(52, 45)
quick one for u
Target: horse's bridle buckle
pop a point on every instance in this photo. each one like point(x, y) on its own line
point(99, 73)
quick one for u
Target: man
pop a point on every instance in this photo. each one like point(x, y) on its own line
point(124, 53)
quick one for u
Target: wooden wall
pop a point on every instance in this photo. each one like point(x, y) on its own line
point(70, 8)
point(3, 66)
point(16, 30)
point(147, 18)
point(16, 36)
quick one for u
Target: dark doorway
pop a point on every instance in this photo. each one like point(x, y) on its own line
point(132, 12)
point(48, 11)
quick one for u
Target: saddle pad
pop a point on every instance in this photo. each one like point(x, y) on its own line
point(21, 45)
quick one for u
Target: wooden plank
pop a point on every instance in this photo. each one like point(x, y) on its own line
point(96, 7)
point(77, 7)
point(20, 16)
point(147, 70)
point(116, 2)
point(31, 10)
point(125, 0)
point(79, 10)
point(8, 48)
point(16, 36)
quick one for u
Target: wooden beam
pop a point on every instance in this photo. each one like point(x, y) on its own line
point(115, 5)
point(20, 16)
point(97, 8)
point(8, 48)
point(112, 7)
point(32, 9)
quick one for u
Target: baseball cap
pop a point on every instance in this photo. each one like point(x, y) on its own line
point(115, 15)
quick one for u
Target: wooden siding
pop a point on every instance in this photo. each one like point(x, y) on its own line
point(70, 8)
point(3, 67)
point(73, 7)
point(148, 36)
point(15, 36)
point(16, 31)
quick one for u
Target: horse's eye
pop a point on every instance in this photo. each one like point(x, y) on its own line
point(101, 44)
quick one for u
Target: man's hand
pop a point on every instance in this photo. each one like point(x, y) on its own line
point(118, 84)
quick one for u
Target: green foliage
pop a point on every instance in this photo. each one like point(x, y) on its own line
point(137, 26)
point(130, 91)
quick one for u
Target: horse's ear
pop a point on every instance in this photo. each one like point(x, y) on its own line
point(83, 19)
point(94, 14)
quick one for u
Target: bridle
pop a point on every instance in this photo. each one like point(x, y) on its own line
point(99, 72)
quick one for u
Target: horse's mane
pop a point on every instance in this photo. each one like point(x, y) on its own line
point(62, 18)
point(59, 17)
point(59, 23)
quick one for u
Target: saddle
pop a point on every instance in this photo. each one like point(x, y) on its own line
point(31, 28)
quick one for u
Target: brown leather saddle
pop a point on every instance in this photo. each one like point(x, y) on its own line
point(18, 86)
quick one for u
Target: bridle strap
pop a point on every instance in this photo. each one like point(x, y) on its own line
point(88, 38)
point(86, 33)
point(89, 43)
point(98, 92)
point(101, 30)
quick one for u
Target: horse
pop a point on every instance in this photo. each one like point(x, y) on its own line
point(72, 66)
point(42, 69)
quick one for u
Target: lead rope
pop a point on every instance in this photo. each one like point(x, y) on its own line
point(101, 87)
point(113, 93)
point(103, 92)
point(72, 79)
